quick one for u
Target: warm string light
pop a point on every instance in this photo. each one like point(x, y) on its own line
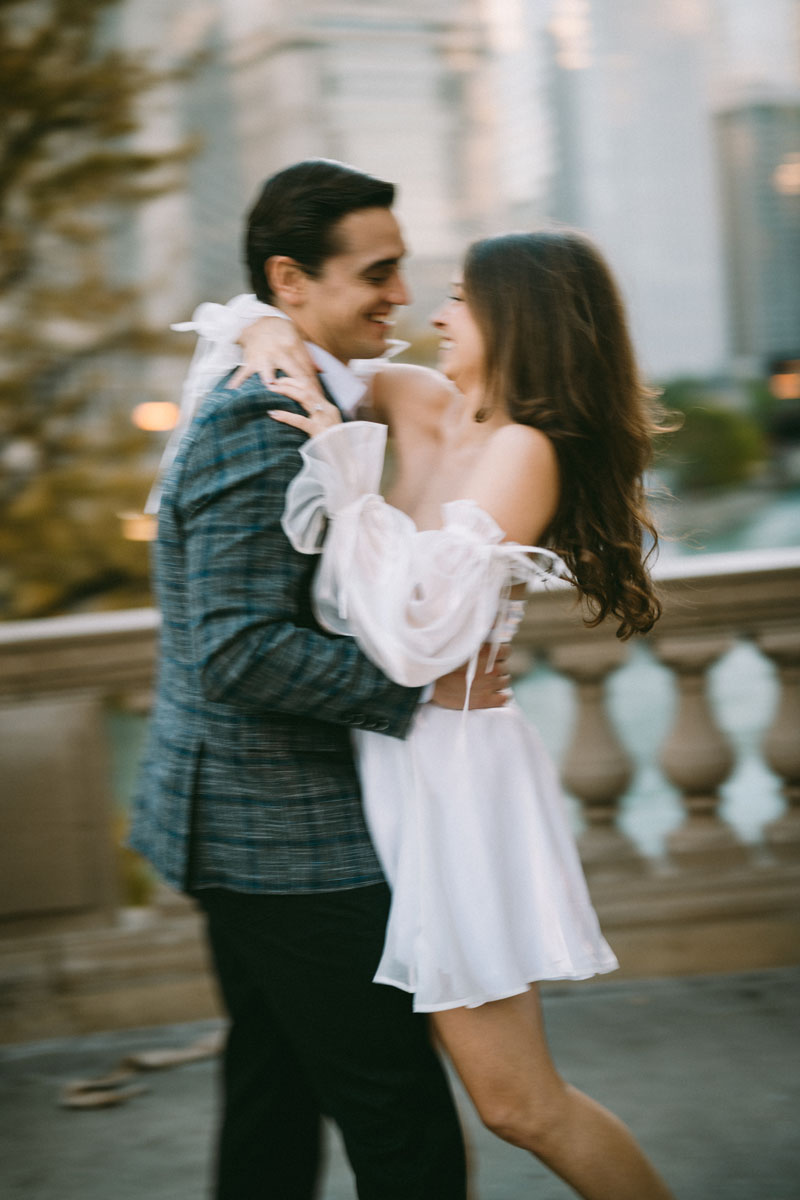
point(138, 527)
point(155, 416)
point(786, 176)
point(784, 382)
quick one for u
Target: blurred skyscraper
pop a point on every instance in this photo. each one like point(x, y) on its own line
point(757, 94)
point(396, 89)
point(622, 139)
point(759, 152)
point(625, 126)
point(619, 116)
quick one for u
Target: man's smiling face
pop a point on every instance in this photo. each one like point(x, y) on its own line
point(347, 309)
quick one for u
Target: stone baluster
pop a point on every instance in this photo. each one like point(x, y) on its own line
point(596, 767)
point(696, 755)
point(521, 661)
point(782, 742)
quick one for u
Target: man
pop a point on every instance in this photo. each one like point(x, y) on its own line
point(249, 797)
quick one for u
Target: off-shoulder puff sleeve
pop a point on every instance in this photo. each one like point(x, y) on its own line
point(420, 603)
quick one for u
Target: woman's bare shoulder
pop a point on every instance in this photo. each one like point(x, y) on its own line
point(523, 445)
point(517, 481)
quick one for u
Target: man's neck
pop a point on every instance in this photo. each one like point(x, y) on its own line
point(308, 336)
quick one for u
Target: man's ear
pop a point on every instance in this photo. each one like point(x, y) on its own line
point(287, 280)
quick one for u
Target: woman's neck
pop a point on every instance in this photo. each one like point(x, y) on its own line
point(461, 426)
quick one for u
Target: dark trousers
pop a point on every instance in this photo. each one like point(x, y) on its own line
point(311, 1034)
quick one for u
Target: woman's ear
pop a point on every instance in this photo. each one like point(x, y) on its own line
point(287, 280)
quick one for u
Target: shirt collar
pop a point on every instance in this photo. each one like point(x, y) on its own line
point(342, 382)
point(348, 383)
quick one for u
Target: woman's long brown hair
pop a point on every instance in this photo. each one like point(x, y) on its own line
point(560, 358)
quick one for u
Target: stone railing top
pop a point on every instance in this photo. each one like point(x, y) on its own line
point(93, 626)
point(735, 562)
point(104, 652)
point(736, 593)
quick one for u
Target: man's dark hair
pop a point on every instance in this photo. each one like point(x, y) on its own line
point(297, 212)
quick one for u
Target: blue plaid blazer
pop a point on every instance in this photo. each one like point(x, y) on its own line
point(248, 780)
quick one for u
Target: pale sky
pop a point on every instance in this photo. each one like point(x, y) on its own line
point(763, 40)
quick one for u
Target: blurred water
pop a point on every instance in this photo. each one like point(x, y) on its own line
point(733, 519)
point(126, 734)
point(777, 524)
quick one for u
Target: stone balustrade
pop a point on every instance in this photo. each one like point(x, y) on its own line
point(710, 902)
point(710, 602)
point(57, 677)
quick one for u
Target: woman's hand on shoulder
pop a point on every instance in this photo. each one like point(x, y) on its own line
point(517, 482)
point(321, 414)
point(272, 344)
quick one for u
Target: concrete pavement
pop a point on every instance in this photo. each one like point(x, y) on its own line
point(705, 1071)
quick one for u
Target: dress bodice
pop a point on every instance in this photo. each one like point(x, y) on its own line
point(420, 603)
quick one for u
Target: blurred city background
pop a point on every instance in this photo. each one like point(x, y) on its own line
point(136, 134)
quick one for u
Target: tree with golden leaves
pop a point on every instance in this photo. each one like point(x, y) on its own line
point(70, 460)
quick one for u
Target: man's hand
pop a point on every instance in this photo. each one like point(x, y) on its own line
point(489, 689)
point(273, 344)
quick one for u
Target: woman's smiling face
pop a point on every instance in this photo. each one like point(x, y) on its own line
point(461, 352)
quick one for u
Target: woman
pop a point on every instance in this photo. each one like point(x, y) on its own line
point(539, 433)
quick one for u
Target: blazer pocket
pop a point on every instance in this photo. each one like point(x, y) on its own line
point(279, 738)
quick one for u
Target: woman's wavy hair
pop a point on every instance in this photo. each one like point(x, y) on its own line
point(560, 358)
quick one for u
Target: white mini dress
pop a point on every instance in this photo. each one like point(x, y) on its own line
point(466, 813)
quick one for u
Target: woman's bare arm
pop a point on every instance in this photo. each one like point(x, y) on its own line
point(407, 397)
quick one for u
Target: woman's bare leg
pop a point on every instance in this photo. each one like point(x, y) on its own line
point(500, 1051)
